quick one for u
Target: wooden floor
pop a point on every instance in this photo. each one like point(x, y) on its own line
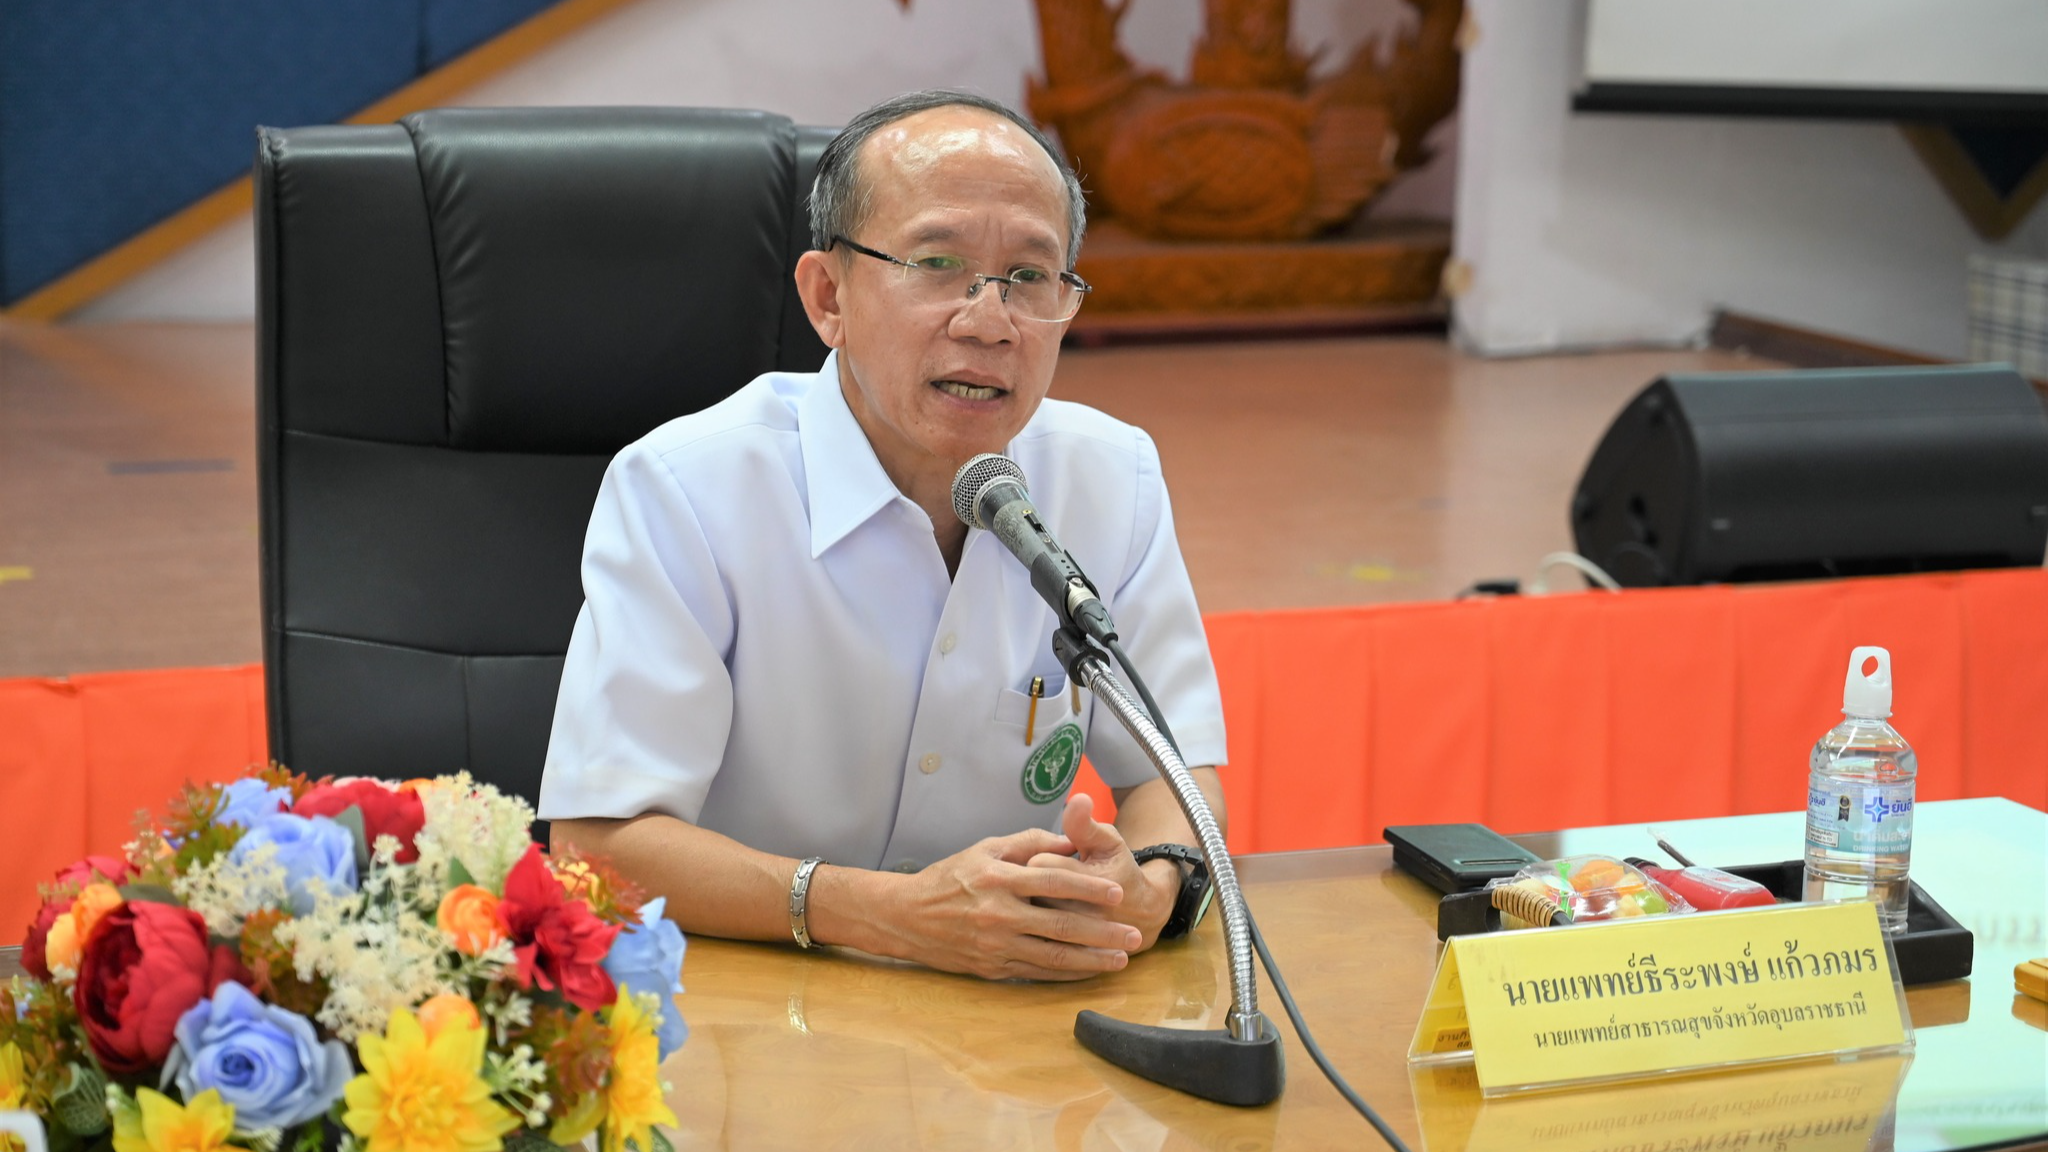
point(1303, 473)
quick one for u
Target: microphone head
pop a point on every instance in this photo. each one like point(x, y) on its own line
point(974, 478)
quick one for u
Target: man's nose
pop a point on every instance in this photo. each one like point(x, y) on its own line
point(983, 315)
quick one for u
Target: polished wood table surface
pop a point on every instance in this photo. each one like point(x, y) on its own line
point(794, 1050)
point(832, 1050)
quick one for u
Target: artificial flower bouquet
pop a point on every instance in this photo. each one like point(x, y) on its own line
point(283, 965)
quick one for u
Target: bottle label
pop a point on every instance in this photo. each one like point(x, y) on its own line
point(1861, 818)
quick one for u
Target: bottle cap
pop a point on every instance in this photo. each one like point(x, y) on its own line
point(1868, 696)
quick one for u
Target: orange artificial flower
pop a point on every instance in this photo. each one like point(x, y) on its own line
point(445, 1009)
point(66, 943)
point(470, 917)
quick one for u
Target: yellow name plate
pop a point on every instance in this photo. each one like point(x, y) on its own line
point(1627, 998)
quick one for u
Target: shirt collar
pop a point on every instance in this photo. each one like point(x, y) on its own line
point(842, 475)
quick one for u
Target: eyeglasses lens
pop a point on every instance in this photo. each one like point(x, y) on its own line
point(1032, 295)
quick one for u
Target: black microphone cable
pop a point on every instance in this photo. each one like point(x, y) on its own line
point(1308, 1040)
point(1144, 694)
point(1266, 961)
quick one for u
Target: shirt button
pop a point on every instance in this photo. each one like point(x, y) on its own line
point(929, 764)
point(906, 866)
point(948, 642)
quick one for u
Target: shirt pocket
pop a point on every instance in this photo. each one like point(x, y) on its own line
point(1013, 709)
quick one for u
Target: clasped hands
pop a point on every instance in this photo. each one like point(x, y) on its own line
point(1037, 904)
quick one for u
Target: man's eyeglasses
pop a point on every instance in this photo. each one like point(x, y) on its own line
point(1031, 292)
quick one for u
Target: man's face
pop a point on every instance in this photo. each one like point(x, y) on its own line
point(934, 383)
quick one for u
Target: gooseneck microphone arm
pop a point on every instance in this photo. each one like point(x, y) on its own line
point(1242, 1063)
point(1087, 665)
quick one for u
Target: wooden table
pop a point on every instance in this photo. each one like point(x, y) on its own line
point(789, 1050)
point(802, 1051)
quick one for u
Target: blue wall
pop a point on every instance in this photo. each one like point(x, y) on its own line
point(115, 114)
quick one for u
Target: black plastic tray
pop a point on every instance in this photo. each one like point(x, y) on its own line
point(1933, 947)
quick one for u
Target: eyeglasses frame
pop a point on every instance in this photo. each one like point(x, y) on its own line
point(980, 278)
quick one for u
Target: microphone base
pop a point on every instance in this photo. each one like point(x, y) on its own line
point(1213, 1065)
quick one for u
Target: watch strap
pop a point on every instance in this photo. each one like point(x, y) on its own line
point(1193, 899)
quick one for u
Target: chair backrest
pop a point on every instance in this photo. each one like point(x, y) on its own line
point(461, 318)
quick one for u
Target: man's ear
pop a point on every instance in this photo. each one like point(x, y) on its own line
point(817, 285)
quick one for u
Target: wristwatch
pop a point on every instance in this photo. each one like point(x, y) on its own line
point(1195, 889)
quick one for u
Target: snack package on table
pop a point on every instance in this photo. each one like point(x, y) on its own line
point(1577, 889)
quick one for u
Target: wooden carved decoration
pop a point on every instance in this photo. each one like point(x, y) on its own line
point(1249, 148)
point(1219, 190)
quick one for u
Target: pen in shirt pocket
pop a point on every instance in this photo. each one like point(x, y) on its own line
point(1031, 717)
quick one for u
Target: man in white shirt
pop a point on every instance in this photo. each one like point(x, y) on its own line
point(802, 699)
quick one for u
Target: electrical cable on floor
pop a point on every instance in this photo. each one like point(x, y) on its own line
point(1539, 584)
point(1308, 1040)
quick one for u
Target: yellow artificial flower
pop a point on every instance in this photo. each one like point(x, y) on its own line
point(13, 1092)
point(13, 1078)
point(420, 1095)
point(633, 1099)
point(160, 1124)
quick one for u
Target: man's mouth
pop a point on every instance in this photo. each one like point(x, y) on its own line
point(966, 391)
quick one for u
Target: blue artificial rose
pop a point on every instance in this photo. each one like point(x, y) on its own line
point(245, 800)
point(310, 848)
point(648, 957)
point(263, 1059)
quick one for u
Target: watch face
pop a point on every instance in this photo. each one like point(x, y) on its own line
point(1197, 887)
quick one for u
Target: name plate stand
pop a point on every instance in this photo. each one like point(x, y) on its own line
point(1623, 999)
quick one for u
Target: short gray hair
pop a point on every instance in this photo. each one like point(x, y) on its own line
point(841, 198)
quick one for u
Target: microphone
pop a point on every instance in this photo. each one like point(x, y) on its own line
point(989, 493)
point(1242, 1063)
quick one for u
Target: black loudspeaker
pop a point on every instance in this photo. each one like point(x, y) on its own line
point(1734, 476)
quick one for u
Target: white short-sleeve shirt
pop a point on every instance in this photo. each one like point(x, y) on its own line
point(770, 647)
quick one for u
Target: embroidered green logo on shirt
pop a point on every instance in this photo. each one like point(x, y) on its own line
point(1052, 765)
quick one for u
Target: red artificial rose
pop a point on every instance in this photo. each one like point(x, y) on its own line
point(559, 942)
point(385, 813)
point(144, 965)
point(111, 868)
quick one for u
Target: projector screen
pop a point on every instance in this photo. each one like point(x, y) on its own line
point(1954, 60)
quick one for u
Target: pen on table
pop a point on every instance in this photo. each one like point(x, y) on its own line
point(1031, 717)
point(1674, 853)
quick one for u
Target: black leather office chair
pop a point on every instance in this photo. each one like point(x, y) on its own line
point(461, 318)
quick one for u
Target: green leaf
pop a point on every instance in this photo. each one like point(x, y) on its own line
point(81, 1108)
point(661, 1143)
point(458, 873)
point(351, 818)
point(150, 894)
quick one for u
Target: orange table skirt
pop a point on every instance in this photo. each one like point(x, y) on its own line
point(1524, 714)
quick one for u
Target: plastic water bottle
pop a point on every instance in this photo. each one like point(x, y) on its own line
point(1859, 798)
